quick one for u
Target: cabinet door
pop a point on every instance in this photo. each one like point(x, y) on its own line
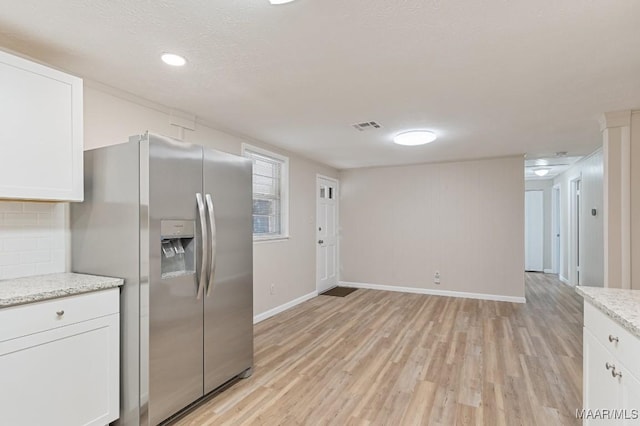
point(601, 390)
point(65, 376)
point(41, 133)
point(630, 397)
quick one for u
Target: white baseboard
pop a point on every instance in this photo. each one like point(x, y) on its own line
point(271, 312)
point(434, 292)
point(548, 271)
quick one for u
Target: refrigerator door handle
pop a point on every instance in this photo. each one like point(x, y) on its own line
point(202, 279)
point(212, 236)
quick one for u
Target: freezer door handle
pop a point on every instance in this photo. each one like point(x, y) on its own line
point(202, 279)
point(212, 235)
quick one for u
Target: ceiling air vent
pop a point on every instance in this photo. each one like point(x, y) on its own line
point(367, 125)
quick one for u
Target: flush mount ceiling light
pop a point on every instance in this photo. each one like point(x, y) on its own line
point(414, 137)
point(543, 171)
point(280, 1)
point(173, 59)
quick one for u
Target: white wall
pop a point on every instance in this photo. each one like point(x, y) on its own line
point(110, 117)
point(465, 219)
point(545, 185)
point(590, 169)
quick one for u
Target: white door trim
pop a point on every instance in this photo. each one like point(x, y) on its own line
point(556, 242)
point(574, 251)
point(315, 226)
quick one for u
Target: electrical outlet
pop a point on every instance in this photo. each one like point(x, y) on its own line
point(272, 289)
point(436, 278)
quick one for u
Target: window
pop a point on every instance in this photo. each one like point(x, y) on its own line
point(270, 193)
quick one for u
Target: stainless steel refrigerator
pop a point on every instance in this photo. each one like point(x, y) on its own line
point(174, 220)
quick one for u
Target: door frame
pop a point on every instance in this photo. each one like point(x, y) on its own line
point(556, 234)
point(315, 226)
point(575, 226)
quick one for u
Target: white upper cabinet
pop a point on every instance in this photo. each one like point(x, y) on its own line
point(41, 132)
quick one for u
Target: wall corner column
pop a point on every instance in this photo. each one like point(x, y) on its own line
point(635, 200)
point(616, 150)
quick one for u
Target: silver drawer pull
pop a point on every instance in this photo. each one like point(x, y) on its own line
point(612, 367)
point(60, 313)
point(613, 339)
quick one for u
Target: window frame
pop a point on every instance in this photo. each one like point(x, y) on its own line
point(247, 149)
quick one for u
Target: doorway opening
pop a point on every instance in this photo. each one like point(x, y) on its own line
point(534, 231)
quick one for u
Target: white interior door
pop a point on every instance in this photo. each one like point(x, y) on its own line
point(533, 231)
point(326, 232)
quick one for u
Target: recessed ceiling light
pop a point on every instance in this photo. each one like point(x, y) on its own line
point(543, 171)
point(415, 137)
point(173, 59)
point(280, 1)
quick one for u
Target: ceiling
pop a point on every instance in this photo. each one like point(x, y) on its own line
point(555, 165)
point(491, 78)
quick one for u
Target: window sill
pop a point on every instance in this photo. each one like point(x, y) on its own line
point(270, 239)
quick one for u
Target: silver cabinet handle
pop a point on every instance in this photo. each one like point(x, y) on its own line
point(60, 312)
point(612, 367)
point(213, 235)
point(613, 339)
point(205, 245)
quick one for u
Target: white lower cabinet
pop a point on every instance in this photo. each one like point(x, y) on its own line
point(611, 394)
point(59, 361)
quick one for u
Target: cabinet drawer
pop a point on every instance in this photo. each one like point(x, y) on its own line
point(623, 345)
point(32, 318)
point(608, 385)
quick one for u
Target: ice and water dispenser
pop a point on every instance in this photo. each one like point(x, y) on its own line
point(178, 248)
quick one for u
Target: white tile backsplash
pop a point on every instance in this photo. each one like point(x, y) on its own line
point(32, 238)
point(20, 219)
point(10, 206)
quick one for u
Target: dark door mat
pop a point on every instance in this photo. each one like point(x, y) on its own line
point(339, 291)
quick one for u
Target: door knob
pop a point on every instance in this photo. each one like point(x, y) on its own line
point(320, 241)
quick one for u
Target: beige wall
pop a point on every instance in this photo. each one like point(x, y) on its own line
point(111, 117)
point(635, 200)
point(546, 186)
point(590, 169)
point(466, 220)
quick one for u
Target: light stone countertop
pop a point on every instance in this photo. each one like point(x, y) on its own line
point(42, 287)
point(621, 305)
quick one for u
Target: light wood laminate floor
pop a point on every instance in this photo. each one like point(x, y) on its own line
point(383, 358)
